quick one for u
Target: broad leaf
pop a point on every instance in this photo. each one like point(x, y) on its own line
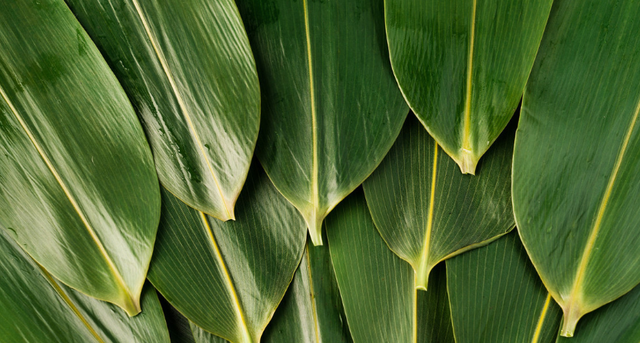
point(377, 287)
point(78, 189)
point(229, 277)
point(36, 308)
point(496, 296)
point(331, 106)
point(426, 211)
point(188, 69)
point(576, 165)
point(462, 65)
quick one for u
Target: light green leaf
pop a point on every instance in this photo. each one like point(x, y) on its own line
point(496, 296)
point(377, 287)
point(190, 74)
point(576, 165)
point(78, 189)
point(34, 308)
point(426, 211)
point(229, 277)
point(462, 66)
point(331, 106)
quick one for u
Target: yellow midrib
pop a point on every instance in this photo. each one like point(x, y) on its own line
point(314, 132)
point(466, 140)
point(114, 271)
point(580, 274)
point(313, 298)
point(227, 277)
point(181, 103)
point(543, 314)
point(432, 196)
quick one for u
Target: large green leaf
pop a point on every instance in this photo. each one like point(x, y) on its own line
point(78, 189)
point(617, 322)
point(229, 277)
point(427, 211)
point(496, 296)
point(331, 107)
point(36, 308)
point(576, 165)
point(377, 287)
point(188, 69)
point(462, 65)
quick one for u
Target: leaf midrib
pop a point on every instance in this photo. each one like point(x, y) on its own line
point(541, 319)
point(315, 200)
point(466, 139)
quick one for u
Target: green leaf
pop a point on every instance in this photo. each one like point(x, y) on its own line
point(312, 310)
point(34, 308)
point(575, 176)
point(462, 65)
point(377, 287)
point(426, 211)
point(496, 296)
point(331, 106)
point(178, 325)
point(229, 277)
point(617, 322)
point(78, 189)
point(190, 74)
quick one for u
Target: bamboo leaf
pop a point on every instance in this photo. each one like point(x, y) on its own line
point(426, 211)
point(330, 104)
point(189, 71)
point(229, 277)
point(377, 287)
point(78, 189)
point(496, 296)
point(35, 307)
point(462, 66)
point(576, 163)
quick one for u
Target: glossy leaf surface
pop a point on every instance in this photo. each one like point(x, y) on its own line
point(462, 66)
point(426, 211)
point(576, 165)
point(497, 296)
point(190, 74)
point(36, 308)
point(331, 107)
point(78, 189)
point(377, 287)
point(229, 277)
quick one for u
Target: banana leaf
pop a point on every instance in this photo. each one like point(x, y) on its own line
point(426, 211)
point(228, 278)
point(331, 106)
point(78, 190)
point(497, 296)
point(377, 287)
point(36, 308)
point(576, 165)
point(462, 66)
point(188, 69)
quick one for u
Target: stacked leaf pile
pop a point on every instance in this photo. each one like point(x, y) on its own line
point(319, 171)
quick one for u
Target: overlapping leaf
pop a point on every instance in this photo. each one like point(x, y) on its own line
point(462, 65)
point(377, 287)
point(426, 211)
point(229, 277)
point(331, 108)
point(78, 189)
point(576, 165)
point(188, 69)
point(36, 308)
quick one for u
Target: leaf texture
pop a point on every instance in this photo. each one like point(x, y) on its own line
point(575, 184)
point(78, 189)
point(36, 308)
point(462, 65)
point(426, 211)
point(188, 69)
point(331, 107)
point(229, 278)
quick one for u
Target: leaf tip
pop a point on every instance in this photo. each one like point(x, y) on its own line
point(467, 162)
point(571, 316)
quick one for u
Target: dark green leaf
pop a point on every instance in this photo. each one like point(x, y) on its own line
point(462, 65)
point(78, 190)
point(188, 69)
point(331, 106)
